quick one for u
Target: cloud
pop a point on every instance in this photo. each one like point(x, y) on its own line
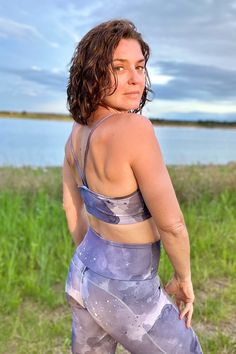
point(53, 105)
point(192, 109)
point(10, 28)
point(192, 81)
point(200, 32)
point(51, 79)
point(193, 52)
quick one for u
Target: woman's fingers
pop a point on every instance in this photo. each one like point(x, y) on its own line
point(183, 296)
point(189, 317)
point(188, 312)
point(178, 304)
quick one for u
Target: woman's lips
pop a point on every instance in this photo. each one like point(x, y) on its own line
point(132, 93)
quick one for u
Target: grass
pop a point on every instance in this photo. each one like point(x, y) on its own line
point(36, 249)
point(35, 115)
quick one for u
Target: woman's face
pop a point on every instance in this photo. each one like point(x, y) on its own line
point(129, 68)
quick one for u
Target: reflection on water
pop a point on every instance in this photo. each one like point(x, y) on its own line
point(35, 142)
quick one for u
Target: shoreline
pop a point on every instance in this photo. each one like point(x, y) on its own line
point(155, 121)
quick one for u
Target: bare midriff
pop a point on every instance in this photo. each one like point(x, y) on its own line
point(140, 232)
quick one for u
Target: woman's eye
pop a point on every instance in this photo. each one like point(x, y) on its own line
point(119, 68)
point(141, 68)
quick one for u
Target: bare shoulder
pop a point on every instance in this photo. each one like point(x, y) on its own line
point(136, 119)
point(135, 125)
point(133, 136)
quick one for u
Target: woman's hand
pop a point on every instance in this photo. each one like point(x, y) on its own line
point(184, 297)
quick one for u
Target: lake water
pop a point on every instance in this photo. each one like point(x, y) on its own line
point(31, 142)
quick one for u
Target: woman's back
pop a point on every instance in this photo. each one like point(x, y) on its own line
point(110, 144)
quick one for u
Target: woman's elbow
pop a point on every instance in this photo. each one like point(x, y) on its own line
point(175, 229)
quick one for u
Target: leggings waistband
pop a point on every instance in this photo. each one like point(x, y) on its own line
point(121, 261)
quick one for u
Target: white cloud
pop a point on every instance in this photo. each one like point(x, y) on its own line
point(159, 108)
point(36, 68)
point(71, 33)
point(31, 92)
point(10, 28)
point(56, 71)
point(190, 42)
point(53, 106)
point(157, 78)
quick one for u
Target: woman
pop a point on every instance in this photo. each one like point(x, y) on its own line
point(119, 203)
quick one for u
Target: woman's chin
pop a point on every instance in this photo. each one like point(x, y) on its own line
point(128, 108)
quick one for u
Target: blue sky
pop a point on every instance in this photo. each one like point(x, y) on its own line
point(192, 66)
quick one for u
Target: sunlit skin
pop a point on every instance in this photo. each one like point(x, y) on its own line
point(129, 67)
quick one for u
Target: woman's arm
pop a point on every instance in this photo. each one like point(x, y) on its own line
point(157, 190)
point(73, 205)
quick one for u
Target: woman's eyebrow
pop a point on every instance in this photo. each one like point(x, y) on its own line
point(126, 60)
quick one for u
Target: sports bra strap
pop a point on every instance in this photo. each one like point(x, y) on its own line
point(77, 162)
point(88, 142)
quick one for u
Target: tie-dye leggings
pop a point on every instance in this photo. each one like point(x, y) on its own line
point(115, 296)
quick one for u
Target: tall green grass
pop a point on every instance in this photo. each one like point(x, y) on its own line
point(36, 248)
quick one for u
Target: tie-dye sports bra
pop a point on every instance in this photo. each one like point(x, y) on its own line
point(114, 210)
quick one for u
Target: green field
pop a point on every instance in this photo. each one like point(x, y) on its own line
point(36, 249)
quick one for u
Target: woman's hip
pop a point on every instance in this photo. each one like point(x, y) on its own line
point(106, 260)
point(115, 260)
point(119, 286)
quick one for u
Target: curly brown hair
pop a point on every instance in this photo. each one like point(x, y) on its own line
point(90, 77)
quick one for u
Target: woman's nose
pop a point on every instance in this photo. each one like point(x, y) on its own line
point(135, 77)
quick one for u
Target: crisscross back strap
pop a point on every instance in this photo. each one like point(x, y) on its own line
point(88, 142)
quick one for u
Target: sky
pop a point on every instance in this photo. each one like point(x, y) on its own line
point(193, 53)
